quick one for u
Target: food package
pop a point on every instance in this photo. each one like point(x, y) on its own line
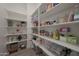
point(49, 6)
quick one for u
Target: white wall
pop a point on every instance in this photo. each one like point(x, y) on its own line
point(31, 7)
point(3, 31)
point(15, 7)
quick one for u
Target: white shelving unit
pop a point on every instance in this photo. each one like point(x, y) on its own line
point(12, 30)
point(16, 35)
point(43, 48)
point(54, 12)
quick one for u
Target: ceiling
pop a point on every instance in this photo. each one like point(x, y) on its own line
point(22, 8)
point(15, 7)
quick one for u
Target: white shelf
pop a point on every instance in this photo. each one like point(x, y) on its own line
point(44, 49)
point(22, 40)
point(13, 19)
point(59, 24)
point(11, 42)
point(15, 34)
point(65, 23)
point(34, 26)
point(59, 42)
point(16, 41)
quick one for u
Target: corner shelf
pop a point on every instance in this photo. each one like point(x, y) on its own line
point(59, 42)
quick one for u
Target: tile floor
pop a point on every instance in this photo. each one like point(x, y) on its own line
point(25, 52)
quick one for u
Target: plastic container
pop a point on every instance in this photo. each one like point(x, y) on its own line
point(76, 13)
point(72, 40)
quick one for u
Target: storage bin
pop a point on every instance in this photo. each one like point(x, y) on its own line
point(72, 40)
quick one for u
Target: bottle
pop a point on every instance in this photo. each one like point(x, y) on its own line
point(49, 6)
point(71, 16)
point(56, 35)
point(51, 35)
point(76, 12)
point(19, 37)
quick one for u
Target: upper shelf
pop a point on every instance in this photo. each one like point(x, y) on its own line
point(59, 42)
point(57, 24)
point(55, 10)
point(8, 18)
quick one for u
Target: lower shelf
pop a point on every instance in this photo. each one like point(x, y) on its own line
point(16, 41)
point(43, 48)
point(59, 42)
point(13, 47)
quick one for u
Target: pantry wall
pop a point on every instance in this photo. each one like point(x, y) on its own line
point(3, 24)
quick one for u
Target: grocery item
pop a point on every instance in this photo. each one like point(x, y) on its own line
point(10, 23)
point(65, 52)
point(56, 35)
point(35, 23)
point(19, 37)
point(22, 46)
point(76, 13)
point(35, 30)
point(74, 53)
point(55, 49)
point(23, 23)
point(34, 37)
point(72, 39)
point(42, 32)
point(64, 31)
point(76, 16)
point(51, 35)
point(46, 33)
point(71, 16)
point(13, 47)
point(54, 4)
point(63, 19)
point(49, 6)
point(43, 11)
point(47, 23)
